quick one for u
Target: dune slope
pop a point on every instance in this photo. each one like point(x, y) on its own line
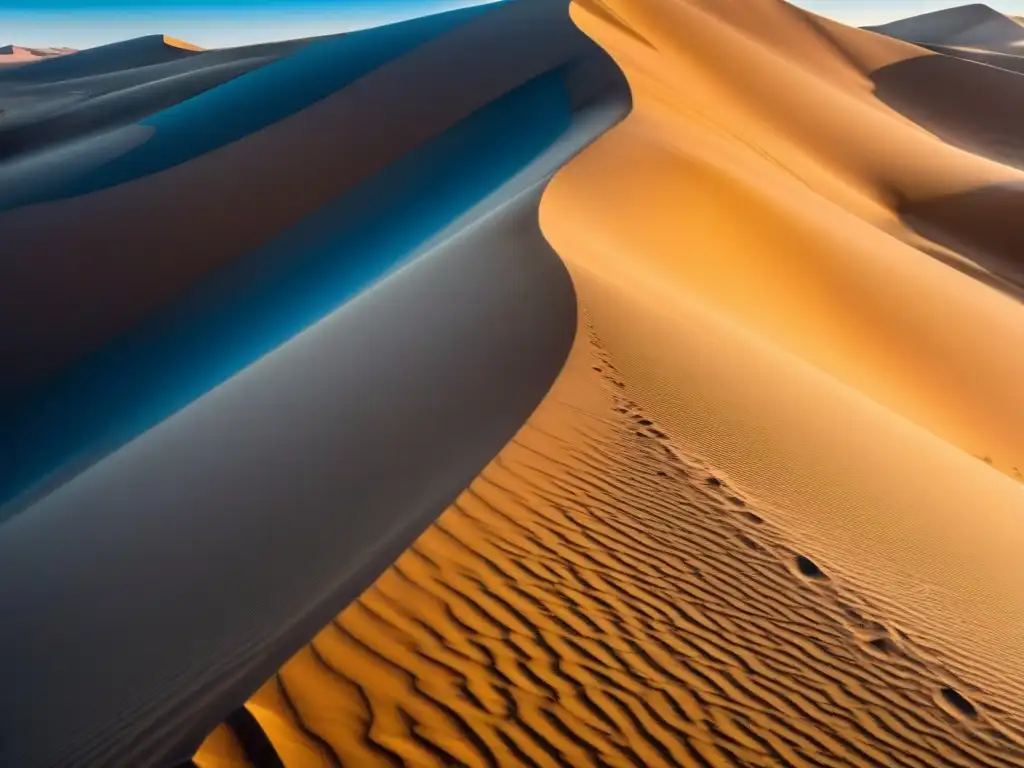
point(284, 217)
point(599, 597)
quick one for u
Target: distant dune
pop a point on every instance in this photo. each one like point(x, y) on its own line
point(18, 55)
point(969, 26)
point(142, 51)
point(77, 101)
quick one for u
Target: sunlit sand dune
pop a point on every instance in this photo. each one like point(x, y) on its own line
point(770, 513)
point(16, 54)
point(600, 597)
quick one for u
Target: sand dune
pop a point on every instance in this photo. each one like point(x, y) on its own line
point(430, 344)
point(599, 597)
point(140, 52)
point(15, 54)
point(228, 176)
point(761, 518)
point(78, 101)
point(1007, 61)
point(969, 26)
point(745, 373)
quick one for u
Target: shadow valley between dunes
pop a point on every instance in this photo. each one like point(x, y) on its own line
point(964, 103)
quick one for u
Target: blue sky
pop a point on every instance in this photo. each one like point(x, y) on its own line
point(213, 23)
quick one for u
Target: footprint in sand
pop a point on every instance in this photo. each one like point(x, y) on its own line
point(955, 703)
point(808, 568)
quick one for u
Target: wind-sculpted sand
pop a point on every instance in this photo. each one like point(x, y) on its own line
point(598, 596)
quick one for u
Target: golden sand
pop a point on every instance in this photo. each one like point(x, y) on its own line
point(769, 514)
point(599, 597)
point(174, 42)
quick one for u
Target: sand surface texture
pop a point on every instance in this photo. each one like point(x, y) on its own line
point(770, 514)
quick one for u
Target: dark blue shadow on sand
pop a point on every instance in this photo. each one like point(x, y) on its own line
point(241, 106)
point(254, 305)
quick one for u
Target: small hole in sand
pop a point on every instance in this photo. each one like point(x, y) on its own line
point(883, 644)
point(714, 482)
point(959, 702)
point(662, 473)
point(809, 568)
point(644, 422)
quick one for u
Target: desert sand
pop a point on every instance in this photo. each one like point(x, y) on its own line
point(770, 513)
point(17, 54)
point(692, 437)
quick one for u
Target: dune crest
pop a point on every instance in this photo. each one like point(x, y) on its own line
point(176, 43)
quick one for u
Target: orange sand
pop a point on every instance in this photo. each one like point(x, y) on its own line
point(602, 596)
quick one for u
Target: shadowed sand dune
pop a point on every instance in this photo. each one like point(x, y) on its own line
point(750, 524)
point(75, 102)
point(114, 57)
point(216, 481)
point(123, 351)
point(979, 118)
point(1007, 61)
point(196, 559)
point(970, 26)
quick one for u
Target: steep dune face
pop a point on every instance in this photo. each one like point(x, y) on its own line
point(367, 350)
point(269, 188)
point(746, 526)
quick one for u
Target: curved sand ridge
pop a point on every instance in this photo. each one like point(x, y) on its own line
point(461, 318)
point(169, 327)
point(842, 587)
point(856, 400)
